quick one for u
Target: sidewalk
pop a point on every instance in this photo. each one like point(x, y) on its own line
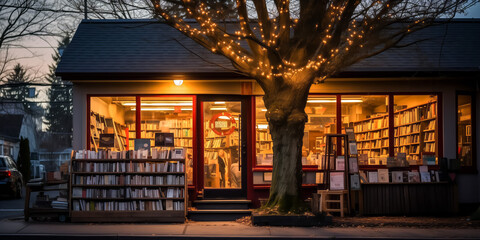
point(18, 229)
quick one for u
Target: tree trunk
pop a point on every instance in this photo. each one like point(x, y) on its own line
point(286, 116)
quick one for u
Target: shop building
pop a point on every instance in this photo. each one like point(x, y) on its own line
point(419, 100)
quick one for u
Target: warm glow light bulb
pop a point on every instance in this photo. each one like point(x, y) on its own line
point(178, 82)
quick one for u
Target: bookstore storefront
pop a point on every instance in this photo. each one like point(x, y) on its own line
point(228, 148)
point(398, 105)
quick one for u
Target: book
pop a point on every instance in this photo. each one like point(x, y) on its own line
point(372, 177)
point(169, 205)
point(350, 135)
point(362, 159)
point(319, 178)
point(413, 177)
point(425, 177)
point(423, 168)
point(164, 140)
point(107, 140)
point(355, 182)
point(428, 159)
point(383, 175)
point(267, 176)
point(352, 147)
point(340, 163)
point(397, 176)
point(337, 181)
point(353, 165)
point(363, 177)
point(178, 153)
point(142, 144)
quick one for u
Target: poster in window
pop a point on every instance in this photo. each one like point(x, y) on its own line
point(164, 140)
point(107, 140)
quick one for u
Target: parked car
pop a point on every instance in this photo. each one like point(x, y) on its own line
point(11, 181)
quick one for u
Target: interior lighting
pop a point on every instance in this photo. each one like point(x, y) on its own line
point(178, 82)
point(159, 104)
point(161, 109)
point(219, 108)
point(327, 100)
point(262, 126)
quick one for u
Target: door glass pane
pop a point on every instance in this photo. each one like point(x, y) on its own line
point(221, 138)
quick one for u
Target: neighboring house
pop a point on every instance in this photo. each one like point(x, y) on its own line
point(420, 100)
point(12, 128)
point(53, 160)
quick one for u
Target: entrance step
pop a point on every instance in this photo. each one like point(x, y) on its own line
point(225, 204)
point(219, 209)
point(218, 215)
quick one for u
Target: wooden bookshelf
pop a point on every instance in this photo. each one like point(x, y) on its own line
point(100, 124)
point(416, 130)
point(371, 135)
point(414, 127)
point(128, 190)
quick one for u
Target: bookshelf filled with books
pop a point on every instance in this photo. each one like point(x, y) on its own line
point(415, 134)
point(415, 131)
point(371, 135)
point(128, 186)
point(101, 126)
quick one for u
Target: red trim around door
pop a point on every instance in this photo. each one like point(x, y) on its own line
point(88, 123)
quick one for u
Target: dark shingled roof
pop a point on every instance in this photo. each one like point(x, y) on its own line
point(149, 49)
point(11, 125)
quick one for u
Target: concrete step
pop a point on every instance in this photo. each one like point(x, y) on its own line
point(225, 204)
point(218, 214)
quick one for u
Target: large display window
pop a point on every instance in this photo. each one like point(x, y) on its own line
point(115, 119)
point(415, 122)
point(465, 130)
point(110, 123)
point(368, 116)
point(407, 129)
point(321, 111)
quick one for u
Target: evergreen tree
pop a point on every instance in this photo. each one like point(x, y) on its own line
point(16, 89)
point(59, 113)
point(23, 161)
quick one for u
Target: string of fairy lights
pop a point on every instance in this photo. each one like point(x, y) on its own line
point(217, 39)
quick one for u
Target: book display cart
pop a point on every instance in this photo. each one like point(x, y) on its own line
point(128, 186)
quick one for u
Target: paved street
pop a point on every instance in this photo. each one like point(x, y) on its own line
point(11, 207)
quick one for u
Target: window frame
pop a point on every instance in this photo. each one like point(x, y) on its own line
point(138, 120)
point(391, 127)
